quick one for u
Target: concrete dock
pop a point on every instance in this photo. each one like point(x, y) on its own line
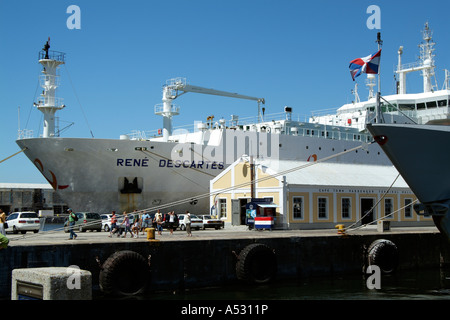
point(210, 257)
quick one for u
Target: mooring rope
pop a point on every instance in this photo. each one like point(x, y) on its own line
point(382, 218)
point(376, 204)
point(15, 154)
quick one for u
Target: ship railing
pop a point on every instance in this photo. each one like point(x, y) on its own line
point(52, 55)
point(159, 109)
point(25, 134)
point(50, 102)
point(324, 112)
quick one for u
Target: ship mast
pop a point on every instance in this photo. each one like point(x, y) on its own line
point(48, 103)
point(378, 117)
point(426, 63)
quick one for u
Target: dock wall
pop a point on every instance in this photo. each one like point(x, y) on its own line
point(175, 265)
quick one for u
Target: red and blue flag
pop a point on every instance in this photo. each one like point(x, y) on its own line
point(367, 64)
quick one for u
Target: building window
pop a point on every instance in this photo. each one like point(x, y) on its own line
point(223, 208)
point(297, 207)
point(388, 208)
point(346, 208)
point(323, 207)
point(408, 209)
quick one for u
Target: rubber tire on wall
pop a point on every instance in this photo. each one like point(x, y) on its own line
point(384, 254)
point(256, 264)
point(124, 273)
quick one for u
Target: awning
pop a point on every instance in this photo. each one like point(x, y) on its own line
point(272, 205)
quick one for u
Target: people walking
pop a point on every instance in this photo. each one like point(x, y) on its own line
point(171, 219)
point(72, 219)
point(158, 222)
point(146, 221)
point(126, 223)
point(136, 227)
point(187, 223)
point(113, 228)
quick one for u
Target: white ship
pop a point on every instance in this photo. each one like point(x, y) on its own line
point(174, 167)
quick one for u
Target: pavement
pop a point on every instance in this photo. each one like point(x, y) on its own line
point(59, 237)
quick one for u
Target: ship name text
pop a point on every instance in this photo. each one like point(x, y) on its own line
point(163, 163)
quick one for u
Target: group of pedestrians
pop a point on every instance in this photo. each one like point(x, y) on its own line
point(147, 220)
point(125, 226)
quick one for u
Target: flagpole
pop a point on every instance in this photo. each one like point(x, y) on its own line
point(378, 107)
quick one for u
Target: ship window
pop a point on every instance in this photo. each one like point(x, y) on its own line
point(403, 106)
point(390, 108)
point(442, 103)
point(431, 104)
point(421, 106)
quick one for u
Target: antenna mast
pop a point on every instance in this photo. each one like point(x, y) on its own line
point(378, 107)
point(48, 104)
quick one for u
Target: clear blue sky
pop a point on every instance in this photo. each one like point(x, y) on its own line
point(290, 52)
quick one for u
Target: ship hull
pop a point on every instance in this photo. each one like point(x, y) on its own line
point(421, 155)
point(106, 174)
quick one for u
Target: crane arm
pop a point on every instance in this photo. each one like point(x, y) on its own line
point(191, 88)
point(182, 86)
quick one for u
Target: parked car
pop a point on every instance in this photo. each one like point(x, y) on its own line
point(23, 222)
point(210, 222)
point(196, 222)
point(106, 221)
point(86, 221)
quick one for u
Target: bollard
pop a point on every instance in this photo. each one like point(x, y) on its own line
point(341, 229)
point(150, 233)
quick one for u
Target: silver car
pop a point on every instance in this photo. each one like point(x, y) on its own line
point(86, 221)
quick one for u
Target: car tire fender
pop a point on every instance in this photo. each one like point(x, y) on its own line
point(256, 264)
point(124, 273)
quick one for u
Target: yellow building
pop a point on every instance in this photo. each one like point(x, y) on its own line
point(315, 195)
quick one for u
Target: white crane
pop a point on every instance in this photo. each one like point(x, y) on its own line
point(177, 87)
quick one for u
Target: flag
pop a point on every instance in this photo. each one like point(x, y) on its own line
point(367, 64)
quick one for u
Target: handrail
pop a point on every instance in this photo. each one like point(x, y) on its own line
point(52, 55)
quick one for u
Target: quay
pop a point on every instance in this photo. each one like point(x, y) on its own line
point(211, 257)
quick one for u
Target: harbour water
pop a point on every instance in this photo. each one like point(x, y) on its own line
point(428, 284)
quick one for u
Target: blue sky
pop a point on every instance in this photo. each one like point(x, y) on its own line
point(290, 52)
